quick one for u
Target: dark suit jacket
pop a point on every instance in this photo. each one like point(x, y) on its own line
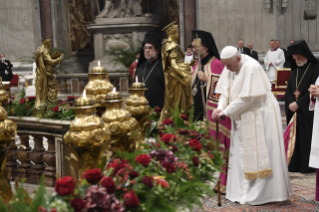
point(286, 64)
point(245, 49)
point(3, 68)
point(253, 54)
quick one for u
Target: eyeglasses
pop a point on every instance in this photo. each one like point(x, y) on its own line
point(150, 48)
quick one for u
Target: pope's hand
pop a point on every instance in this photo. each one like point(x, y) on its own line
point(314, 90)
point(202, 76)
point(293, 107)
point(217, 114)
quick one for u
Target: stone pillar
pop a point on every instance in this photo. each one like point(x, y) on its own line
point(46, 21)
point(12, 163)
point(23, 155)
point(49, 158)
point(189, 20)
point(36, 157)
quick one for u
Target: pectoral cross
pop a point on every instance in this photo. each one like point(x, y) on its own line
point(297, 93)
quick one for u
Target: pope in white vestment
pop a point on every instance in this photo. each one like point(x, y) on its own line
point(258, 170)
point(277, 58)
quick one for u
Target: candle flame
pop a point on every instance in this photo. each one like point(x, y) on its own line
point(84, 93)
point(98, 63)
point(114, 90)
point(136, 79)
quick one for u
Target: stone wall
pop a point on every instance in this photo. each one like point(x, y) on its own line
point(231, 20)
point(18, 33)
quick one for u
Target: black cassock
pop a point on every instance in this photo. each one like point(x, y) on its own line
point(3, 68)
point(155, 82)
point(300, 159)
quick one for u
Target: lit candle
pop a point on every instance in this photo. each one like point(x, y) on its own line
point(114, 90)
point(99, 63)
point(136, 79)
point(84, 94)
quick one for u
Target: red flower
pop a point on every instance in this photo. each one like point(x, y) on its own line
point(70, 98)
point(163, 183)
point(109, 184)
point(10, 103)
point(173, 148)
point(56, 109)
point(12, 97)
point(158, 109)
point(93, 176)
point(71, 103)
point(65, 186)
point(195, 144)
point(168, 122)
point(170, 168)
point(183, 132)
point(130, 199)
point(143, 159)
point(31, 98)
point(77, 204)
point(195, 161)
point(168, 138)
point(45, 108)
point(184, 117)
point(148, 181)
point(28, 106)
point(22, 101)
point(134, 174)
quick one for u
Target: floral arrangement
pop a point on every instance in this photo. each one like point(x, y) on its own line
point(166, 175)
point(25, 106)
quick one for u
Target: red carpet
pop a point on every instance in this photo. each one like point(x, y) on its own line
point(302, 199)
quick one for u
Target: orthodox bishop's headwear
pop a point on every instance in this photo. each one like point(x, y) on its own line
point(151, 38)
point(299, 47)
point(207, 40)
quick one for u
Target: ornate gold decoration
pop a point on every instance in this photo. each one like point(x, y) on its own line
point(8, 130)
point(124, 129)
point(98, 85)
point(45, 84)
point(87, 138)
point(3, 95)
point(138, 106)
point(177, 75)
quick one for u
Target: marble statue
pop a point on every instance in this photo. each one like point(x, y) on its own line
point(46, 85)
point(121, 9)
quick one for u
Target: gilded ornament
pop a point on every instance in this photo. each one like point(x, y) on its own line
point(3, 95)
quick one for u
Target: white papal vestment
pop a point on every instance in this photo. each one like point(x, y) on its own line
point(248, 91)
point(278, 59)
point(314, 153)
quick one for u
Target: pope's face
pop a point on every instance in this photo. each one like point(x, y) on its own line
point(202, 51)
point(150, 51)
point(232, 64)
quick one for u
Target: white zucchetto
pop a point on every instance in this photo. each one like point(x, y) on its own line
point(228, 52)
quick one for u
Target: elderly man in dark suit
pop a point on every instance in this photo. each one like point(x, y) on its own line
point(5, 68)
point(252, 53)
point(241, 48)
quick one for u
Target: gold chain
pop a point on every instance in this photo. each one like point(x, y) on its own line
point(297, 85)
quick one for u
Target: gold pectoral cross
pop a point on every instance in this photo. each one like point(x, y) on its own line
point(197, 41)
point(297, 93)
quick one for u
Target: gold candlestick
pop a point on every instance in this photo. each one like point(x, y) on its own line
point(98, 85)
point(87, 138)
point(3, 95)
point(138, 106)
point(123, 127)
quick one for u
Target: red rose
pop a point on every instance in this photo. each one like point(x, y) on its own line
point(134, 174)
point(148, 181)
point(56, 109)
point(22, 101)
point(109, 184)
point(168, 122)
point(10, 103)
point(195, 161)
point(163, 183)
point(184, 117)
point(195, 144)
point(28, 106)
point(143, 159)
point(173, 148)
point(183, 132)
point(168, 138)
point(93, 176)
point(65, 186)
point(77, 204)
point(12, 97)
point(70, 98)
point(31, 98)
point(158, 109)
point(170, 168)
point(130, 199)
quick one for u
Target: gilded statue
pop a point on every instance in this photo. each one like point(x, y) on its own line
point(177, 75)
point(46, 85)
point(121, 9)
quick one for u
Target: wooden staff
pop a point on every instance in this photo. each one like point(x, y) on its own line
point(218, 182)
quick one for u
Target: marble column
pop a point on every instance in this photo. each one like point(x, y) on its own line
point(46, 20)
point(189, 20)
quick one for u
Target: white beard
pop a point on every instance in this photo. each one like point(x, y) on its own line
point(301, 64)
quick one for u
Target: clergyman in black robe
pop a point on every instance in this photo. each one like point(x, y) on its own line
point(304, 72)
point(5, 69)
point(150, 70)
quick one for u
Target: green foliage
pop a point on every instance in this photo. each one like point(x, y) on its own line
point(3, 206)
point(40, 198)
point(124, 57)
